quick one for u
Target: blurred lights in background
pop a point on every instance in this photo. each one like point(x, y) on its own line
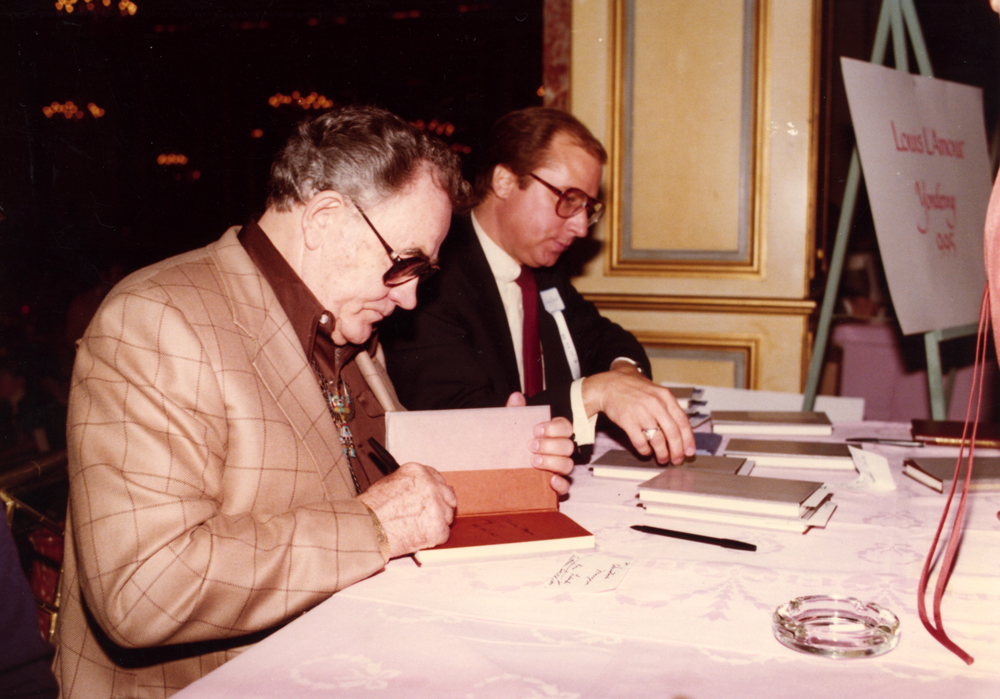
point(441, 128)
point(70, 111)
point(175, 161)
point(171, 159)
point(125, 8)
point(176, 166)
point(310, 101)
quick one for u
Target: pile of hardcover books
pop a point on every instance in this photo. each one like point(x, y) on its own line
point(730, 498)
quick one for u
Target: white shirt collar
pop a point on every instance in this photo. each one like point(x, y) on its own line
point(505, 268)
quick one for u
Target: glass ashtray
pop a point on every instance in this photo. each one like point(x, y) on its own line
point(836, 627)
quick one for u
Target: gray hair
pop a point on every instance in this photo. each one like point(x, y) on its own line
point(365, 153)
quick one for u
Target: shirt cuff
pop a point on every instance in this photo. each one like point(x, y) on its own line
point(383, 540)
point(629, 360)
point(584, 428)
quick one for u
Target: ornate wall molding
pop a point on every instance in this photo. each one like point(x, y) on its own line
point(735, 248)
point(743, 352)
point(703, 304)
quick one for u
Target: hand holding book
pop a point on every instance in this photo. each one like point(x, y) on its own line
point(553, 447)
point(506, 505)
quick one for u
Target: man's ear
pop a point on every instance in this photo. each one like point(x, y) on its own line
point(504, 181)
point(322, 216)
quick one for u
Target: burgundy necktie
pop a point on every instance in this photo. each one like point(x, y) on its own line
point(531, 352)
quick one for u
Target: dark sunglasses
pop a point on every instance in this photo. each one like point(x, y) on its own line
point(403, 269)
point(572, 201)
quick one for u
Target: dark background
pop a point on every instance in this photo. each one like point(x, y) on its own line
point(194, 77)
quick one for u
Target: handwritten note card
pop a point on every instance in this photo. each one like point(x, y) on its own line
point(922, 144)
point(597, 572)
point(874, 469)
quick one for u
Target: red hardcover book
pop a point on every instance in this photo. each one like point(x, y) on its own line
point(506, 507)
point(949, 433)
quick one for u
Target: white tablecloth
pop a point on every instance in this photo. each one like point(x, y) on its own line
point(688, 620)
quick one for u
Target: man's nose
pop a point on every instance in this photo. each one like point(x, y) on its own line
point(404, 295)
point(577, 223)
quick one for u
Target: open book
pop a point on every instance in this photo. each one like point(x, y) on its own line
point(506, 507)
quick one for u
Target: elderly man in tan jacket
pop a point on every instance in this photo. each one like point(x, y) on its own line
point(221, 406)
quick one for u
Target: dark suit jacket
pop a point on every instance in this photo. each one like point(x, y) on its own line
point(455, 349)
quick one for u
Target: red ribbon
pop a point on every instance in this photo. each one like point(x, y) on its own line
point(951, 548)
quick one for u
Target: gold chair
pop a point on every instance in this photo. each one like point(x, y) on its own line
point(34, 498)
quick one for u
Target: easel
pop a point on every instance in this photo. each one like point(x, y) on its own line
point(896, 18)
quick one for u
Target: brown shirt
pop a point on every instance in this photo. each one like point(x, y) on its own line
point(357, 414)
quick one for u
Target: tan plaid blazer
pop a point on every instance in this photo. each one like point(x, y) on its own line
point(209, 496)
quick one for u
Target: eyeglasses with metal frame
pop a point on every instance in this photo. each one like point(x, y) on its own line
point(572, 201)
point(415, 266)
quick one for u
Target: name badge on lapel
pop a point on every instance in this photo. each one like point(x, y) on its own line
point(554, 305)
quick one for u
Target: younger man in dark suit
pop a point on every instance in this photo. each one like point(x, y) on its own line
point(474, 339)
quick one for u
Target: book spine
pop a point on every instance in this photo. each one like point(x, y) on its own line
point(746, 520)
point(921, 476)
point(714, 502)
point(831, 463)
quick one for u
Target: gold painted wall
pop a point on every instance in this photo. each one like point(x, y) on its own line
point(710, 111)
point(685, 152)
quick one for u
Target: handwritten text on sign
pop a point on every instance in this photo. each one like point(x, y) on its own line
point(922, 144)
point(926, 141)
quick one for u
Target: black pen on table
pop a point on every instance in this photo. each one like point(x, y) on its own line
point(687, 536)
point(385, 461)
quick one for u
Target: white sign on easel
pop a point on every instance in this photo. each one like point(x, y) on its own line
point(922, 143)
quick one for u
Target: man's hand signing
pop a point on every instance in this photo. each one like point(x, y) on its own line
point(415, 507)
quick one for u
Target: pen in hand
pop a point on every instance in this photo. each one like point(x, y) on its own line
point(687, 536)
point(382, 458)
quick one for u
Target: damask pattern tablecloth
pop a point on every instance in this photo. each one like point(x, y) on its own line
point(688, 620)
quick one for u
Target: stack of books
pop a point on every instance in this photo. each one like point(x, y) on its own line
point(688, 397)
point(691, 402)
point(619, 463)
point(777, 422)
point(728, 498)
point(792, 453)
